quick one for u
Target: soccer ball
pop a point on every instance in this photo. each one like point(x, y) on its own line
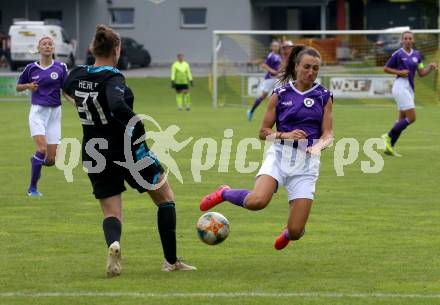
point(212, 228)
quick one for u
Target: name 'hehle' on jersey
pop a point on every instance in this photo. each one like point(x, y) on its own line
point(89, 87)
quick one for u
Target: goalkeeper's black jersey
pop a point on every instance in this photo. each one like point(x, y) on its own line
point(103, 101)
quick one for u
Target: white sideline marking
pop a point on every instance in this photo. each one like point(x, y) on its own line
point(370, 106)
point(337, 295)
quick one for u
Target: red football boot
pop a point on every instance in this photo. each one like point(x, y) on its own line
point(282, 241)
point(211, 200)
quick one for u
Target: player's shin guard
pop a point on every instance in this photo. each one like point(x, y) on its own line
point(179, 100)
point(235, 196)
point(397, 129)
point(187, 100)
point(166, 222)
point(37, 162)
point(112, 230)
point(257, 103)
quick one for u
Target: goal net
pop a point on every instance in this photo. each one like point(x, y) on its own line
point(352, 63)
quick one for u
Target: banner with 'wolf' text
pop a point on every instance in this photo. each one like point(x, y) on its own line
point(368, 86)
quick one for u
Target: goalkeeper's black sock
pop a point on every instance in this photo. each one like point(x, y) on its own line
point(166, 222)
point(112, 230)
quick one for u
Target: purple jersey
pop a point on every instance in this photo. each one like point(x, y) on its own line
point(301, 110)
point(401, 60)
point(50, 80)
point(273, 60)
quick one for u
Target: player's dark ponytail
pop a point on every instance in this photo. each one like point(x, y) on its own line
point(288, 73)
point(105, 41)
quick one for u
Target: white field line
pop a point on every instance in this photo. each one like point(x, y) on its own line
point(335, 295)
point(370, 106)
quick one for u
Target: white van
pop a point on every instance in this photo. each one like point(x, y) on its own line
point(24, 38)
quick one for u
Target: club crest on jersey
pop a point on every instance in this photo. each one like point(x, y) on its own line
point(414, 59)
point(53, 75)
point(308, 102)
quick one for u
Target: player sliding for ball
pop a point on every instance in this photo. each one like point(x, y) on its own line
point(302, 111)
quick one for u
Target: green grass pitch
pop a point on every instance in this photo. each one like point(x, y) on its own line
point(371, 238)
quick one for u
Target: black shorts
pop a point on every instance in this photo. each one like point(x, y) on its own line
point(180, 87)
point(110, 181)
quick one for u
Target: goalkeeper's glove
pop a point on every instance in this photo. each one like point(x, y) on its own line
point(191, 83)
point(173, 85)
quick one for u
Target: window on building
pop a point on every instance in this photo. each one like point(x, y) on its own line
point(53, 17)
point(122, 17)
point(193, 17)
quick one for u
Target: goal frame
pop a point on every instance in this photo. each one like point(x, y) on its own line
point(216, 44)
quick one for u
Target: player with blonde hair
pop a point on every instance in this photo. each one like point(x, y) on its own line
point(272, 66)
point(44, 78)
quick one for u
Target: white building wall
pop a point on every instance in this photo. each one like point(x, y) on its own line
point(156, 26)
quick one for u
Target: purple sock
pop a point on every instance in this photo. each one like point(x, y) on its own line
point(286, 234)
point(256, 104)
point(37, 163)
point(397, 129)
point(235, 196)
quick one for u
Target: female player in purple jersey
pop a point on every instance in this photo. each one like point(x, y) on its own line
point(302, 112)
point(44, 79)
point(286, 48)
point(404, 63)
point(272, 66)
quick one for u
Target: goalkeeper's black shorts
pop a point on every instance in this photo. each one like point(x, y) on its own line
point(181, 87)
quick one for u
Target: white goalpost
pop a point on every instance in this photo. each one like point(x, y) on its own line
point(352, 62)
